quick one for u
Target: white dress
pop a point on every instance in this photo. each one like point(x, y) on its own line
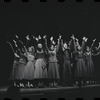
point(29, 68)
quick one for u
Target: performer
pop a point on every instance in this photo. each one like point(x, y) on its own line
point(53, 67)
point(60, 59)
point(22, 61)
point(67, 78)
point(40, 73)
point(89, 63)
point(30, 66)
point(14, 72)
point(80, 71)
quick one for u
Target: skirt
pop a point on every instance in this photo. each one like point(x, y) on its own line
point(14, 71)
point(90, 69)
point(40, 69)
point(66, 71)
point(81, 71)
point(53, 70)
point(29, 71)
point(21, 71)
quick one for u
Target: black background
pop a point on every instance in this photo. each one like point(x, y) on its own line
point(51, 18)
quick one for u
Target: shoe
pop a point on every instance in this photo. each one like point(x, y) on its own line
point(23, 85)
point(31, 85)
point(15, 84)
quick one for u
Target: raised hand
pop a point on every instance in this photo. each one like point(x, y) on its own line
point(14, 41)
point(44, 36)
point(99, 44)
point(16, 55)
point(86, 39)
point(8, 42)
point(60, 37)
point(51, 38)
point(27, 37)
point(94, 40)
point(53, 42)
point(76, 39)
point(20, 41)
point(39, 37)
point(36, 39)
point(73, 37)
point(33, 37)
point(16, 36)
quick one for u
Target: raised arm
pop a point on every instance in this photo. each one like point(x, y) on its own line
point(11, 47)
point(24, 47)
point(46, 46)
point(34, 42)
point(93, 43)
point(62, 45)
point(98, 53)
point(99, 47)
point(58, 44)
point(14, 52)
point(73, 38)
point(84, 43)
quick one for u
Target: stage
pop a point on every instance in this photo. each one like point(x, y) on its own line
point(89, 92)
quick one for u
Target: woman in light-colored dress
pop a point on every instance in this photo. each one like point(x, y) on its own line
point(40, 65)
point(40, 74)
point(30, 66)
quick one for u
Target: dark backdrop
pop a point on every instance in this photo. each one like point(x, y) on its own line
point(51, 18)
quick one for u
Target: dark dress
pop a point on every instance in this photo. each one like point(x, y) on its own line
point(67, 67)
point(89, 65)
point(53, 68)
point(14, 72)
point(80, 71)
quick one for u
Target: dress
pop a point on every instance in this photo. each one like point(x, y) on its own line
point(21, 67)
point(53, 68)
point(29, 68)
point(80, 71)
point(67, 66)
point(14, 72)
point(40, 66)
point(89, 65)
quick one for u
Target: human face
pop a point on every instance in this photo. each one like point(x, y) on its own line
point(87, 48)
point(79, 47)
point(52, 47)
point(65, 45)
point(40, 46)
point(30, 49)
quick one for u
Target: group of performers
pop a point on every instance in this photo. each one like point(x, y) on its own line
point(41, 62)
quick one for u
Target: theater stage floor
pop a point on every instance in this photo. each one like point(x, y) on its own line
point(89, 91)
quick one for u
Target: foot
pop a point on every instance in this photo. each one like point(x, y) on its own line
point(23, 85)
point(31, 85)
point(15, 84)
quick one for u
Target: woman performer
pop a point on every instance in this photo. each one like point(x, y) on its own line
point(80, 71)
point(67, 78)
point(89, 64)
point(53, 67)
point(40, 73)
point(14, 72)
